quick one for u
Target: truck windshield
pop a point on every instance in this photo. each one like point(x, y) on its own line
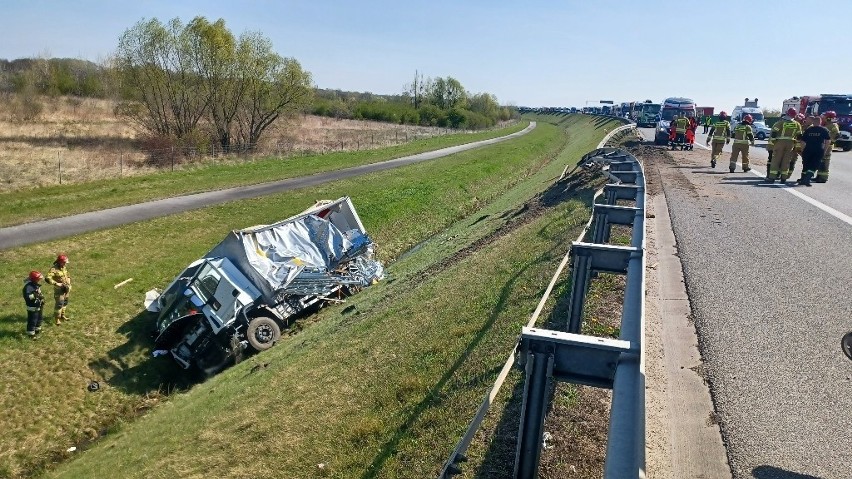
point(175, 304)
point(756, 116)
point(670, 114)
point(650, 109)
point(841, 107)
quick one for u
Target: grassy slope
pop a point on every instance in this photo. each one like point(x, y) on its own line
point(396, 351)
point(56, 201)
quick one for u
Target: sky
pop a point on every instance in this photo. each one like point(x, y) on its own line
point(527, 53)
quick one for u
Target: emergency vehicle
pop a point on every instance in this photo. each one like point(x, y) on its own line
point(671, 108)
point(840, 104)
point(749, 108)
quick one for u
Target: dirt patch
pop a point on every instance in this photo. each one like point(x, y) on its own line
point(574, 186)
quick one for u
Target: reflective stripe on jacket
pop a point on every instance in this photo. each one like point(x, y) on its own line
point(721, 130)
point(743, 134)
point(790, 130)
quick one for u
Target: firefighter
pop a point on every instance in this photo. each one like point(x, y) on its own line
point(34, 300)
point(681, 125)
point(830, 123)
point(707, 122)
point(816, 140)
point(61, 281)
point(800, 118)
point(720, 132)
point(770, 142)
point(743, 137)
point(786, 136)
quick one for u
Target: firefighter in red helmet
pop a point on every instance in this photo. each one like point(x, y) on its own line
point(34, 300)
point(743, 137)
point(786, 137)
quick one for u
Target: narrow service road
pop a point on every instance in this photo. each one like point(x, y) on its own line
point(39, 231)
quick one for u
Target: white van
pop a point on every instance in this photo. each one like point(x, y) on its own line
point(750, 108)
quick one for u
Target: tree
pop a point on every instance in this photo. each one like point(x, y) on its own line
point(156, 64)
point(417, 90)
point(484, 104)
point(275, 87)
point(455, 94)
point(214, 55)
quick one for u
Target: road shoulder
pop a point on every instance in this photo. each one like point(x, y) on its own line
point(683, 437)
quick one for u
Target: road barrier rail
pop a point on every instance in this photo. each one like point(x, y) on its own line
point(565, 354)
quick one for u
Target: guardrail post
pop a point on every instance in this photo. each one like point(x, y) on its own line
point(581, 270)
point(539, 369)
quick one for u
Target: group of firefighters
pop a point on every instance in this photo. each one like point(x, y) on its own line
point(60, 279)
point(794, 135)
point(682, 132)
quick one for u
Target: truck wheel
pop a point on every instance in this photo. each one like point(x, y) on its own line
point(761, 136)
point(262, 333)
point(847, 147)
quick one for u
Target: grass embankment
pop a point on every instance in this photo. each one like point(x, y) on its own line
point(381, 387)
point(56, 201)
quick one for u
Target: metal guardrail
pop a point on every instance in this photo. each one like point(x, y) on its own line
point(566, 355)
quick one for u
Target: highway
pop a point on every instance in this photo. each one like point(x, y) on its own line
point(768, 270)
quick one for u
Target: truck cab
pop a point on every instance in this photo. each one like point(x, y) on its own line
point(840, 104)
point(750, 108)
point(647, 116)
point(671, 108)
point(203, 301)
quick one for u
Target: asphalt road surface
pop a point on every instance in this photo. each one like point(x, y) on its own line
point(768, 271)
point(39, 231)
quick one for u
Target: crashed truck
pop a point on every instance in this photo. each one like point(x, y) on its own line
point(239, 296)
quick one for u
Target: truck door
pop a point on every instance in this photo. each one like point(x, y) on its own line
point(218, 294)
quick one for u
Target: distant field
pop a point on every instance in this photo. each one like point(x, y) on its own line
point(383, 390)
point(46, 202)
point(79, 140)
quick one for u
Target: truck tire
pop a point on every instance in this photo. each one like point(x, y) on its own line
point(761, 136)
point(847, 146)
point(262, 333)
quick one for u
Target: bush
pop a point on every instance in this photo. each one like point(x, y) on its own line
point(431, 115)
point(25, 107)
point(161, 150)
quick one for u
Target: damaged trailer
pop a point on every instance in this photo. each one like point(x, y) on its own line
point(252, 285)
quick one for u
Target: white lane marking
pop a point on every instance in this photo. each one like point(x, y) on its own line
point(789, 189)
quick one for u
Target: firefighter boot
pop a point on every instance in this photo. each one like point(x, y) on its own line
point(822, 173)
